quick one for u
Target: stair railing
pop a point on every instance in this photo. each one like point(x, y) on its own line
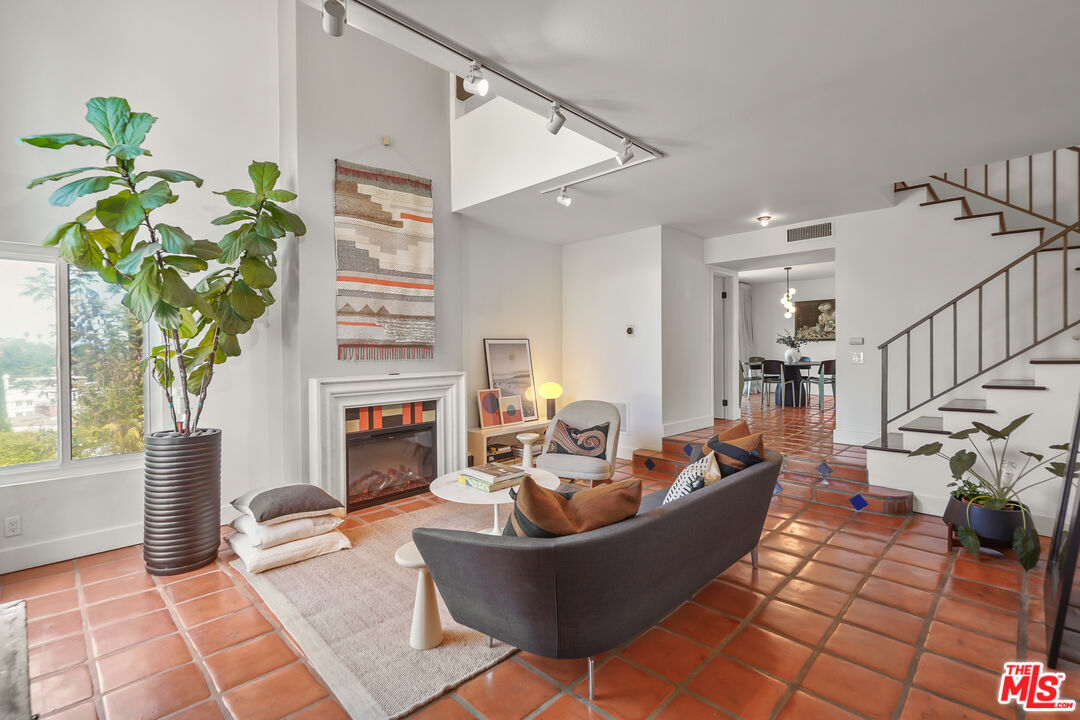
point(953, 306)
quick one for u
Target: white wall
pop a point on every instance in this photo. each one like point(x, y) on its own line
point(769, 318)
point(609, 283)
point(686, 299)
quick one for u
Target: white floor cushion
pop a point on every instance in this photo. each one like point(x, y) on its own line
point(262, 559)
point(268, 536)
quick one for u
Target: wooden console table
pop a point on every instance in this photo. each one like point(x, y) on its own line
point(479, 437)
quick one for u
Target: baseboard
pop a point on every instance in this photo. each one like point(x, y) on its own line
point(680, 426)
point(66, 548)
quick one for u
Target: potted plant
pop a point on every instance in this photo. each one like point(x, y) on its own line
point(792, 343)
point(200, 295)
point(985, 501)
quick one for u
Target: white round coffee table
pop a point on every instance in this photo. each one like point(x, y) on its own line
point(448, 488)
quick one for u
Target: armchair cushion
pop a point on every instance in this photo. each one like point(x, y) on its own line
point(579, 467)
point(567, 440)
point(542, 513)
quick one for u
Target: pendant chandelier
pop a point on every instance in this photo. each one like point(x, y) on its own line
point(789, 306)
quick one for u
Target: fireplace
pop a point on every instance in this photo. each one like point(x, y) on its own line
point(390, 452)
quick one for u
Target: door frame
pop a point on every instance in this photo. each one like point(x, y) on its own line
point(731, 340)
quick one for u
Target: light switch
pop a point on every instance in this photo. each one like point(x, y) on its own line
point(856, 358)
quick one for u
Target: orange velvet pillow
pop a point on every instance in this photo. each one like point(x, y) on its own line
point(539, 512)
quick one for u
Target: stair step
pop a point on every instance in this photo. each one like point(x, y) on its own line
point(927, 424)
point(966, 405)
point(999, 215)
point(963, 203)
point(1055, 361)
point(901, 187)
point(1003, 384)
point(896, 444)
point(1020, 231)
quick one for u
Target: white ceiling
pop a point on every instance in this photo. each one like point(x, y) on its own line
point(813, 271)
point(803, 110)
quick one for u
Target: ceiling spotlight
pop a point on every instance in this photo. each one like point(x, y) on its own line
point(564, 199)
point(764, 220)
point(333, 18)
point(555, 119)
point(627, 153)
point(475, 83)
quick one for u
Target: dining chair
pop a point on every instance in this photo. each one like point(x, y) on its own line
point(826, 376)
point(752, 373)
point(773, 374)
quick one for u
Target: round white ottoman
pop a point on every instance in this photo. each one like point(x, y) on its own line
point(426, 625)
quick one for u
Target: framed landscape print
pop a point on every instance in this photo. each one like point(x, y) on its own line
point(818, 317)
point(490, 414)
point(510, 409)
point(510, 371)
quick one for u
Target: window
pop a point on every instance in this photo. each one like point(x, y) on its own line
point(73, 395)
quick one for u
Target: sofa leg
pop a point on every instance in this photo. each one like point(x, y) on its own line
point(590, 678)
point(753, 557)
point(491, 640)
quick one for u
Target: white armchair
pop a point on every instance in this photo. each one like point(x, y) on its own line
point(583, 414)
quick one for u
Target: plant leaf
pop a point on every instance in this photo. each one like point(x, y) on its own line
point(1026, 545)
point(228, 319)
point(121, 212)
point(929, 449)
point(107, 238)
point(240, 198)
point(109, 116)
point(56, 141)
point(963, 434)
point(170, 176)
point(167, 316)
point(994, 504)
point(73, 243)
point(205, 250)
point(67, 194)
point(229, 344)
point(987, 430)
point(267, 228)
point(232, 244)
point(256, 273)
point(127, 151)
point(281, 195)
point(174, 239)
point(287, 219)
point(143, 293)
point(969, 539)
point(1035, 456)
point(58, 232)
point(130, 263)
point(1061, 446)
point(185, 263)
point(188, 327)
point(157, 195)
point(175, 291)
point(1008, 429)
point(267, 297)
point(138, 124)
point(233, 216)
point(58, 176)
point(1057, 469)
point(259, 245)
point(245, 301)
point(961, 462)
point(263, 176)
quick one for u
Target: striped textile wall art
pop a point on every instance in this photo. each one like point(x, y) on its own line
point(385, 242)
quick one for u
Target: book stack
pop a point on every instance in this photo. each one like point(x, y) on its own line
point(492, 476)
point(499, 453)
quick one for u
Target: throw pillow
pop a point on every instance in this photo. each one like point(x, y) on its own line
point(543, 513)
point(736, 431)
point(288, 502)
point(590, 441)
point(261, 559)
point(690, 479)
point(739, 429)
point(738, 453)
point(267, 536)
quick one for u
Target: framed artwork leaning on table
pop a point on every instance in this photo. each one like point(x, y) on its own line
point(510, 371)
point(490, 413)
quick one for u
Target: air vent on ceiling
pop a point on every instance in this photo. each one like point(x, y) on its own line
point(810, 232)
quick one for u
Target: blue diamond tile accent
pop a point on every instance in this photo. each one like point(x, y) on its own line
point(858, 501)
point(649, 463)
point(823, 469)
point(778, 489)
point(688, 449)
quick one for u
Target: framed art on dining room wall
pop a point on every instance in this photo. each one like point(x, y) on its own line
point(510, 371)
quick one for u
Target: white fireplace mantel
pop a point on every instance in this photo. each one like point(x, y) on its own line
point(329, 397)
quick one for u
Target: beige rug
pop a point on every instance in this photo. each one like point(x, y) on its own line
point(351, 612)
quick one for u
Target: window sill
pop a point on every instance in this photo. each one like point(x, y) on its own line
point(49, 472)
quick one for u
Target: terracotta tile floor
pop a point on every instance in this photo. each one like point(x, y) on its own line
point(849, 616)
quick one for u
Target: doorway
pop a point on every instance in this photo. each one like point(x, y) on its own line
point(719, 340)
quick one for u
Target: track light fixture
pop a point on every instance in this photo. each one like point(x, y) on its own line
point(475, 82)
point(627, 153)
point(555, 119)
point(564, 199)
point(333, 18)
point(764, 219)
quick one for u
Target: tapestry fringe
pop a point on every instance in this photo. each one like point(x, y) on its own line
point(386, 352)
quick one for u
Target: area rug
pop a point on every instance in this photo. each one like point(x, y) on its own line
point(351, 612)
point(14, 662)
point(385, 239)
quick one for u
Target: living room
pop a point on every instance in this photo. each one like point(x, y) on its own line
point(590, 215)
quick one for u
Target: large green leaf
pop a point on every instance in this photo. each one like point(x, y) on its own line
point(143, 293)
point(67, 194)
point(267, 228)
point(1008, 429)
point(232, 244)
point(107, 238)
point(58, 176)
point(55, 141)
point(259, 245)
point(185, 263)
point(1034, 456)
point(130, 263)
point(137, 126)
point(929, 449)
point(256, 273)
point(245, 301)
point(989, 431)
point(232, 217)
point(240, 198)
point(127, 151)
point(287, 219)
point(963, 434)
point(121, 212)
point(267, 297)
point(188, 327)
point(969, 539)
point(961, 462)
point(228, 319)
point(73, 244)
point(1026, 545)
point(281, 195)
point(167, 316)
point(229, 345)
point(174, 239)
point(171, 176)
point(263, 176)
point(175, 291)
point(58, 232)
point(109, 116)
point(205, 250)
point(157, 195)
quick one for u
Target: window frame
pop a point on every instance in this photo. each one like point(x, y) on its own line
point(65, 466)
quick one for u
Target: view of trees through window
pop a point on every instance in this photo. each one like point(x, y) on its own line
point(106, 405)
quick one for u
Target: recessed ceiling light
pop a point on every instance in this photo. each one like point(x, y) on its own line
point(333, 18)
point(764, 219)
point(555, 119)
point(475, 82)
point(564, 199)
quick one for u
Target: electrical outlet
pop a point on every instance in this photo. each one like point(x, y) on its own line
point(13, 526)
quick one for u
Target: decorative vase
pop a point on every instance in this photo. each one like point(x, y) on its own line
point(791, 355)
point(998, 525)
point(181, 501)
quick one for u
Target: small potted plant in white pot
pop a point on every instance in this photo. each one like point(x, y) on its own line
point(984, 502)
point(792, 343)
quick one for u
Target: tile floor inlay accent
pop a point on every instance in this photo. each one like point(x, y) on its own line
point(851, 615)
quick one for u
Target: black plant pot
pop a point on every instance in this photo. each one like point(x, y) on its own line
point(998, 525)
point(182, 501)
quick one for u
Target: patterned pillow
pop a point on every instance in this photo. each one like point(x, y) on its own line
point(591, 441)
point(544, 513)
point(738, 453)
point(739, 429)
point(690, 479)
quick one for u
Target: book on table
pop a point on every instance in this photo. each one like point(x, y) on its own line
point(487, 487)
point(494, 471)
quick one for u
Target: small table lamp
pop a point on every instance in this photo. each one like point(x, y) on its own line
point(550, 391)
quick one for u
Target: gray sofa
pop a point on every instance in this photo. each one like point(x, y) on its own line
point(580, 595)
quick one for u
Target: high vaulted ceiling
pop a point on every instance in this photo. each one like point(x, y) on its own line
point(803, 110)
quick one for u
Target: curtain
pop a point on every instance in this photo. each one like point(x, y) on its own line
point(746, 321)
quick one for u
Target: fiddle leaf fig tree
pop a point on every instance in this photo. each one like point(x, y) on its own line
point(202, 294)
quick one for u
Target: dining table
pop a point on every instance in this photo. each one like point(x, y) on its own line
point(790, 390)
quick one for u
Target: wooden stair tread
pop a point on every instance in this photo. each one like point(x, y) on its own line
point(1055, 361)
point(966, 405)
point(896, 444)
point(961, 200)
point(999, 215)
point(927, 424)
point(1005, 384)
point(1018, 232)
point(901, 187)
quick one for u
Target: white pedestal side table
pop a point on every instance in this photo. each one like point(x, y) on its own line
point(527, 440)
point(448, 488)
point(426, 625)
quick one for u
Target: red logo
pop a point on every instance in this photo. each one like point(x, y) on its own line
point(1035, 688)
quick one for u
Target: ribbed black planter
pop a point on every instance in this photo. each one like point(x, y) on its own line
point(182, 501)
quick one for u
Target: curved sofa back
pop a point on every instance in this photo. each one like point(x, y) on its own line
point(580, 595)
